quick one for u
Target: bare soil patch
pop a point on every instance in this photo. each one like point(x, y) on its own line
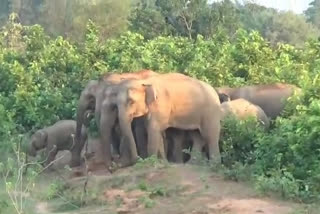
point(173, 189)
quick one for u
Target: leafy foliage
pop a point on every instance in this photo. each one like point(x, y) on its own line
point(313, 14)
point(152, 18)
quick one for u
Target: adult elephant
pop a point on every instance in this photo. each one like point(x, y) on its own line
point(89, 102)
point(168, 100)
point(178, 139)
point(271, 98)
point(243, 109)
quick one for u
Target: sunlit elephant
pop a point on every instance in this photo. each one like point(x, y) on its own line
point(89, 102)
point(168, 100)
point(271, 98)
point(58, 137)
point(242, 109)
point(177, 140)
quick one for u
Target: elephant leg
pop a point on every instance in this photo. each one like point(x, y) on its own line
point(116, 135)
point(162, 149)
point(107, 121)
point(167, 140)
point(140, 135)
point(187, 145)
point(211, 133)
point(155, 140)
point(124, 159)
point(178, 139)
point(76, 149)
point(197, 140)
point(127, 143)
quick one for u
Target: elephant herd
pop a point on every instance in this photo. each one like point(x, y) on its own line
point(145, 113)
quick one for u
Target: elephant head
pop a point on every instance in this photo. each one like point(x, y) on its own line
point(38, 142)
point(134, 99)
point(91, 97)
point(223, 97)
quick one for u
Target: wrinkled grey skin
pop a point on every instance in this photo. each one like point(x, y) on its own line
point(55, 138)
point(154, 99)
point(271, 98)
point(242, 109)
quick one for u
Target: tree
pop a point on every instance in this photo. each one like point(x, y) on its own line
point(291, 28)
point(53, 16)
point(313, 13)
point(110, 15)
point(256, 17)
point(146, 20)
point(225, 15)
point(4, 11)
point(182, 14)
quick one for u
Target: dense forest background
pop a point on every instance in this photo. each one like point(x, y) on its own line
point(152, 18)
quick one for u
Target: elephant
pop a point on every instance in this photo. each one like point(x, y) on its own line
point(167, 100)
point(92, 151)
point(55, 138)
point(89, 102)
point(242, 109)
point(178, 140)
point(271, 98)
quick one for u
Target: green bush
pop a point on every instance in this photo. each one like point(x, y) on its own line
point(239, 139)
point(293, 147)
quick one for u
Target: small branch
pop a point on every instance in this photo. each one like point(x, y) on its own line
point(187, 24)
point(87, 171)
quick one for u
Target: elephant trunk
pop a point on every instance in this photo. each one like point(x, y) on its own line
point(107, 122)
point(128, 138)
point(78, 144)
point(97, 112)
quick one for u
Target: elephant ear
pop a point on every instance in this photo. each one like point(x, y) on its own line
point(151, 95)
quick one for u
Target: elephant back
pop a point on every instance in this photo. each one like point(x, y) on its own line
point(271, 98)
point(242, 109)
point(62, 133)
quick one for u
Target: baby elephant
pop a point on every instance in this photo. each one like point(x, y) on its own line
point(54, 138)
point(242, 109)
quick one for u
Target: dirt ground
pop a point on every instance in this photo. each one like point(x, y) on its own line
point(167, 189)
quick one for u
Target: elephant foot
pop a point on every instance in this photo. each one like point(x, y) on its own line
point(94, 165)
point(115, 158)
point(125, 162)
